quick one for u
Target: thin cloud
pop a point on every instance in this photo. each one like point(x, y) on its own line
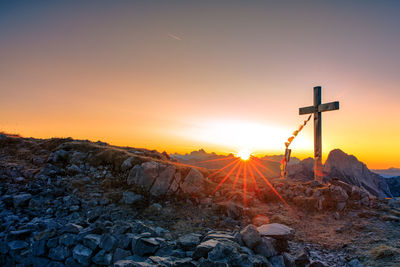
point(173, 36)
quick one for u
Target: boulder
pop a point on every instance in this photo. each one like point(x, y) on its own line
point(70, 262)
point(59, 253)
point(277, 231)
point(72, 228)
point(102, 258)
point(250, 236)
point(277, 261)
point(163, 181)
point(121, 254)
point(17, 245)
point(39, 248)
point(127, 164)
point(317, 264)
point(130, 198)
point(108, 242)
point(21, 200)
point(145, 246)
point(219, 235)
point(174, 186)
point(144, 175)
point(193, 182)
point(73, 169)
point(189, 241)
point(203, 248)
point(266, 247)
point(58, 156)
point(92, 241)
point(82, 254)
point(250, 260)
point(68, 239)
point(225, 251)
point(302, 258)
point(131, 263)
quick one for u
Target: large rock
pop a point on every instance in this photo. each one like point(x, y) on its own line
point(250, 236)
point(92, 241)
point(303, 170)
point(193, 182)
point(146, 246)
point(72, 228)
point(202, 250)
point(59, 253)
point(68, 239)
point(189, 241)
point(144, 175)
point(277, 231)
point(21, 200)
point(82, 254)
point(120, 254)
point(131, 263)
point(17, 245)
point(174, 186)
point(130, 198)
point(102, 258)
point(225, 251)
point(266, 247)
point(39, 248)
point(163, 181)
point(108, 242)
point(127, 164)
point(348, 169)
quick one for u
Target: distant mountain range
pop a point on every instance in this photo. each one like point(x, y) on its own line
point(387, 173)
point(339, 165)
point(201, 158)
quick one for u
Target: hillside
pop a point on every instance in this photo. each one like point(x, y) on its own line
point(71, 202)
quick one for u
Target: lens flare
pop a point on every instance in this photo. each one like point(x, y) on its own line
point(246, 166)
point(244, 154)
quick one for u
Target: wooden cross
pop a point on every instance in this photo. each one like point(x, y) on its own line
point(317, 108)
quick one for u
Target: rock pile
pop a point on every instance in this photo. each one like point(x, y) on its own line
point(78, 203)
point(336, 195)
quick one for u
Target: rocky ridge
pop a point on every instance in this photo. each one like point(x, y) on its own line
point(67, 202)
point(346, 168)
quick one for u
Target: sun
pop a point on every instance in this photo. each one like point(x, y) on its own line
point(243, 154)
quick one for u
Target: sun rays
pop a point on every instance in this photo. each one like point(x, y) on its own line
point(246, 167)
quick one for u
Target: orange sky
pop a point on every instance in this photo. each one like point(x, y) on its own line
point(180, 77)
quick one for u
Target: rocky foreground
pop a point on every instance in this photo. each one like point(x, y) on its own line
point(67, 202)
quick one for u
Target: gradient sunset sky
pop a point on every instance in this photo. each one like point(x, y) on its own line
point(219, 75)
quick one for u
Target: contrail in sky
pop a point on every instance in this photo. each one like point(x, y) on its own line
point(173, 36)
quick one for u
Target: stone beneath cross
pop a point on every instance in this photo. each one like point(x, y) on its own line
point(317, 108)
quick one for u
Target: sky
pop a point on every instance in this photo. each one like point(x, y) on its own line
point(178, 76)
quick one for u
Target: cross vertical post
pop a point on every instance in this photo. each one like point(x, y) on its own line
point(317, 135)
point(317, 109)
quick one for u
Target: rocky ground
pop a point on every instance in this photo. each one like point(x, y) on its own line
point(66, 202)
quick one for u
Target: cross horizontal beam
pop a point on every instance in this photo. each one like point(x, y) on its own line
point(321, 108)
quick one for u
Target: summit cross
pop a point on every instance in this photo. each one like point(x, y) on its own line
point(317, 109)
